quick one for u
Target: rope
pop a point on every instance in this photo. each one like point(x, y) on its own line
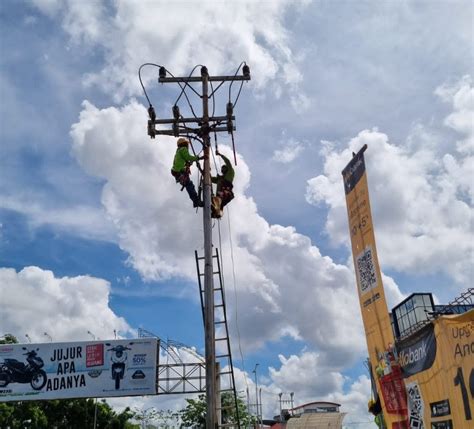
point(235, 295)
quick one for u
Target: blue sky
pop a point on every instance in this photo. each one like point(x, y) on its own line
point(93, 227)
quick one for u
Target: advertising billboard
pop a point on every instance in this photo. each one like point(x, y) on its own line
point(375, 315)
point(78, 369)
point(426, 380)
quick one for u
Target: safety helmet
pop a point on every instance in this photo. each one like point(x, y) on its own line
point(182, 141)
point(370, 404)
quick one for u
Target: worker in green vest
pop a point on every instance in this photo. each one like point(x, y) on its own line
point(224, 187)
point(181, 170)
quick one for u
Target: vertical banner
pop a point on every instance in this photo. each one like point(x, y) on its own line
point(375, 315)
point(426, 380)
point(78, 369)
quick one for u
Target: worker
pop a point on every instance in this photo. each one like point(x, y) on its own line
point(224, 187)
point(375, 407)
point(181, 170)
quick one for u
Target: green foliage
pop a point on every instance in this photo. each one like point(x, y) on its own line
point(63, 414)
point(194, 415)
point(8, 339)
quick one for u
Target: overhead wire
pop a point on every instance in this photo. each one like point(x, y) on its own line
point(234, 281)
point(140, 78)
point(187, 84)
point(241, 84)
point(235, 297)
point(184, 92)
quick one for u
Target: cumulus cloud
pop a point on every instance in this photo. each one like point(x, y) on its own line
point(85, 221)
point(291, 150)
point(129, 37)
point(35, 302)
point(421, 199)
point(158, 227)
point(313, 379)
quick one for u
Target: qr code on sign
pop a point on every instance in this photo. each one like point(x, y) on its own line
point(366, 270)
point(415, 406)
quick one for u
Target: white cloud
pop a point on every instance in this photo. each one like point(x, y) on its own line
point(83, 221)
point(313, 379)
point(286, 286)
point(421, 199)
point(35, 302)
point(289, 152)
point(129, 38)
point(461, 96)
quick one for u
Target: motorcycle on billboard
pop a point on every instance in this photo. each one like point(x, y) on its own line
point(119, 358)
point(14, 371)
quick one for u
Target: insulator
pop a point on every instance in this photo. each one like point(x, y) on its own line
point(204, 71)
point(176, 113)
point(151, 113)
point(162, 72)
point(151, 129)
point(230, 126)
point(246, 70)
point(230, 109)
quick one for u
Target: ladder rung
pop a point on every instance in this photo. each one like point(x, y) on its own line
point(218, 305)
point(228, 425)
point(226, 390)
point(222, 339)
point(219, 322)
point(222, 356)
point(225, 373)
point(227, 407)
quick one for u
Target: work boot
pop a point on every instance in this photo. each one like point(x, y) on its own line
point(198, 203)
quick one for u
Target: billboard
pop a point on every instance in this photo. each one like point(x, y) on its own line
point(375, 315)
point(78, 369)
point(425, 381)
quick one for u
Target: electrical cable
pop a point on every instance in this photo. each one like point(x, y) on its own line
point(235, 295)
point(230, 86)
point(184, 92)
point(233, 272)
point(187, 84)
point(140, 78)
point(238, 94)
point(213, 100)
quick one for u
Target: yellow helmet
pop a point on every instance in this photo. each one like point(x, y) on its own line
point(182, 141)
point(370, 404)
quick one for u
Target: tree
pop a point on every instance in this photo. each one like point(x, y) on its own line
point(194, 415)
point(8, 339)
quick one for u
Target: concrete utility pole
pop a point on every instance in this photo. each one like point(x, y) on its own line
point(206, 126)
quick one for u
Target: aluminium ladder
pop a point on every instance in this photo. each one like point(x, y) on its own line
point(225, 367)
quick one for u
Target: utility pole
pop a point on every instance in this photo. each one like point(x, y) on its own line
point(206, 125)
point(256, 393)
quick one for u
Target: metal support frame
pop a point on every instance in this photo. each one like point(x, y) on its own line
point(181, 378)
point(203, 132)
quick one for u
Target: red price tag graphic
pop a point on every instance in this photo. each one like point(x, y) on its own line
point(94, 355)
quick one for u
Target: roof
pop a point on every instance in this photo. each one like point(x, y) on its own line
point(317, 403)
point(316, 420)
